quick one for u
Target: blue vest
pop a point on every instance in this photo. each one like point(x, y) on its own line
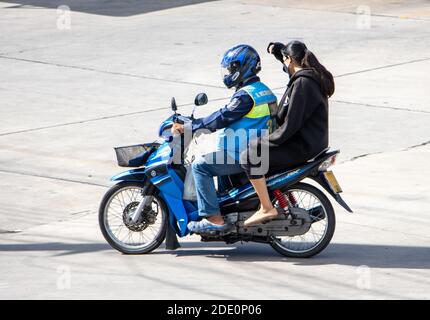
point(235, 138)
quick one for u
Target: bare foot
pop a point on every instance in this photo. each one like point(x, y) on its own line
point(261, 216)
point(216, 219)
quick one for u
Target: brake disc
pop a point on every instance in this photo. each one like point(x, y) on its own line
point(127, 215)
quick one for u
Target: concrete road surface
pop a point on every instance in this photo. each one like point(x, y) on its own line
point(76, 83)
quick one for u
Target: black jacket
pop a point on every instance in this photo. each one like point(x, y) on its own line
point(302, 117)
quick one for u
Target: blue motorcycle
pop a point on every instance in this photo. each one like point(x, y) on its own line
point(147, 205)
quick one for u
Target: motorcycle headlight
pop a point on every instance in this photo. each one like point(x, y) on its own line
point(166, 134)
point(164, 130)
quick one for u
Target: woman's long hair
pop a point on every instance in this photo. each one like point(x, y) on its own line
point(298, 51)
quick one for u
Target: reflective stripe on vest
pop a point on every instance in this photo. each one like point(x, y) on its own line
point(259, 111)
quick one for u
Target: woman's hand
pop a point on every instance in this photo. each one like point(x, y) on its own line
point(177, 129)
point(275, 48)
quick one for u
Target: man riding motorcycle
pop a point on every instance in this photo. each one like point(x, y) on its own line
point(249, 110)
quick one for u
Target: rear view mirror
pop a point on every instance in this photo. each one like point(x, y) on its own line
point(173, 105)
point(201, 99)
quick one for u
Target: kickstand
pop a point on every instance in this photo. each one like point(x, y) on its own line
point(171, 239)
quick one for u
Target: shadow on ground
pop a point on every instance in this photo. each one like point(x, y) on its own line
point(63, 248)
point(115, 8)
point(374, 256)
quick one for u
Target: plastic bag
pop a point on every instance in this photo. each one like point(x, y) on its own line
point(200, 145)
point(190, 191)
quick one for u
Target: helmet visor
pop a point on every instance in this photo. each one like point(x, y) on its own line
point(224, 72)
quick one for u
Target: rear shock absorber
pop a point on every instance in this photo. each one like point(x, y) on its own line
point(292, 199)
point(282, 200)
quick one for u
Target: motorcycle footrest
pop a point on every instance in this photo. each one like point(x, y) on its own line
point(217, 233)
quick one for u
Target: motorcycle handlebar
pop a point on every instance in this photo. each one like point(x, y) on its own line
point(181, 119)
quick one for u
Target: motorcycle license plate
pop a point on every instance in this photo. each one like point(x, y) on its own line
point(331, 179)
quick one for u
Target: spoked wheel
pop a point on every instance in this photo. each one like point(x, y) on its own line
point(116, 210)
point(322, 226)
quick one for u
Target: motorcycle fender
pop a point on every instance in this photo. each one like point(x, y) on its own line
point(320, 178)
point(136, 175)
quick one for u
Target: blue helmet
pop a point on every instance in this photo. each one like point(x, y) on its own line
point(239, 64)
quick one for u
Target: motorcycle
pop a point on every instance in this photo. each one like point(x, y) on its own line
point(146, 206)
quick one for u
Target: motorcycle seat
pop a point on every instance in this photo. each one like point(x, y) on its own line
point(324, 153)
point(239, 179)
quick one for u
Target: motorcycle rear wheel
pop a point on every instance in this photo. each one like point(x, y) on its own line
point(284, 245)
point(116, 205)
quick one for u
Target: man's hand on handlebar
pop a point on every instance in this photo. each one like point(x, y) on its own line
point(177, 129)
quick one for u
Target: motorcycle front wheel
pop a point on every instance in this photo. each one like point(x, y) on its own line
point(139, 237)
point(322, 228)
